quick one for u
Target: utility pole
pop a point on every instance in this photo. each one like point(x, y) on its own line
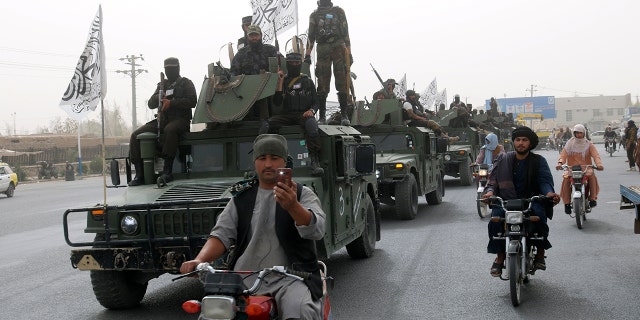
point(14, 123)
point(532, 90)
point(131, 60)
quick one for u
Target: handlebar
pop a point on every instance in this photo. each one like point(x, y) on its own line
point(496, 200)
point(205, 267)
point(587, 166)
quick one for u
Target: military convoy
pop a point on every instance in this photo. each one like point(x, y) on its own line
point(461, 154)
point(408, 159)
point(153, 228)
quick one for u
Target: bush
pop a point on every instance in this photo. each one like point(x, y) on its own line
point(22, 174)
point(96, 165)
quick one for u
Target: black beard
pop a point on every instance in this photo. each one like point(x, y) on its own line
point(255, 45)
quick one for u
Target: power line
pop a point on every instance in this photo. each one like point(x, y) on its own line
point(133, 72)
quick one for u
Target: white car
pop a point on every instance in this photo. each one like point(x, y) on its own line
point(597, 137)
point(8, 180)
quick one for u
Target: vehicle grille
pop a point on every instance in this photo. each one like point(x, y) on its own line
point(193, 192)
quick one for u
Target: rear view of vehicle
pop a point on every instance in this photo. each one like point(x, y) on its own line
point(8, 180)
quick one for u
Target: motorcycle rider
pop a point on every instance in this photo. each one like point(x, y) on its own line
point(515, 175)
point(270, 224)
point(495, 149)
point(579, 151)
point(610, 135)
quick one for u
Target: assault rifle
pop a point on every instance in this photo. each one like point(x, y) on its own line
point(160, 97)
point(377, 75)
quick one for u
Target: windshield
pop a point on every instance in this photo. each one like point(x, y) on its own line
point(393, 142)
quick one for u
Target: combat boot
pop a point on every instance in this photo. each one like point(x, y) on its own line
point(167, 172)
point(322, 110)
point(344, 105)
point(139, 177)
point(316, 170)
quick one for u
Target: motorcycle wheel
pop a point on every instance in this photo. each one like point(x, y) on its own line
point(578, 210)
point(515, 277)
point(483, 208)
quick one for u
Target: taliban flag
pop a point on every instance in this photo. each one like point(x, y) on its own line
point(401, 88)
point(88, 85)
point(429, 95)
point(441, 98)
point(274, 15)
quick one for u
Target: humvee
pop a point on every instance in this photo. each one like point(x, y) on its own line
point(155, 227)
point(408, 159)
point(461, 154)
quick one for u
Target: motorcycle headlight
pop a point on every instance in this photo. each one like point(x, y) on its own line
point(576, 174)
point(513, 217)
point(482, 172)
point(129, 224)
point(447, 157)
point(377, 174)
point(218, 307)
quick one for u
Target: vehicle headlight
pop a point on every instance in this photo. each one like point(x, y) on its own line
point(218, 307)
point(447, 157)
point(377, 174)
point(576, 174)
point(482, 172)
point(129, 224)
point(513, 217)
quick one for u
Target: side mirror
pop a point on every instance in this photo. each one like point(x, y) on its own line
point(366, 158)
point(115, 172)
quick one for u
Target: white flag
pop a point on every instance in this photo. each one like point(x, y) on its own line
point(401, 88)
point(429, 94)
point(267, 13)
point(441, 98)
point(89, 82)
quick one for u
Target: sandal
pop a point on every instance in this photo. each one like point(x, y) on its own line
point(496, 269)
point(539, 263)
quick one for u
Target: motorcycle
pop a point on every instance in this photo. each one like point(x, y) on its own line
point(579, 191)
point(47, 170)
point(517, 235)
point(226, 297)
point(481, 173)
point(610, 144)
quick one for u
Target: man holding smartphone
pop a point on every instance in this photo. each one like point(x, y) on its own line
point(272, 224)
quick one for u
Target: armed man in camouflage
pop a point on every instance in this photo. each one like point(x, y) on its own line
point(251, 60)
point(416, 118)
point(328, 27)
point(387, 91)
point(246, 22)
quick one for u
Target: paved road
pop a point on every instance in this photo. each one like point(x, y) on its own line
point(434, 267)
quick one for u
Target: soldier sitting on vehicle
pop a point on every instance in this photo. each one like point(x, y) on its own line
point(415, 118)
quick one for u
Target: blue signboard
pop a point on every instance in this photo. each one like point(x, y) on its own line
point(546, 105)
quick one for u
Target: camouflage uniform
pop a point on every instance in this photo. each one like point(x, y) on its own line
point(328, 27)
point(386, 92)
point(252, 61)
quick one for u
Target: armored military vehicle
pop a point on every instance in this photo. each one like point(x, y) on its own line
point(461, 154)
point(155, 227)
point(408, 160)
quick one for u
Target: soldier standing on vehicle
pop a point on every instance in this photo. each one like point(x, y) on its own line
point(328, 27)
point(253, 59)
point(246, 22)
point(174, 118)
point(387, 91)
point(300, 106)
point(520, 174)
point(272, 224)
point(630, 143)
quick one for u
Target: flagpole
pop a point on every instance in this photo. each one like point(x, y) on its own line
point(104, 164)
point(79, 151)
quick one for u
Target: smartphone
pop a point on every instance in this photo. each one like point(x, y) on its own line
point(284, 176)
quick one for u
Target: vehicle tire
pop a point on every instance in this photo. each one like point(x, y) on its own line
point(117, 289)
point(578, 210)
point(515, 278)
point(466, 176)
point(10, 190)
point(365, 245)
point(407, 198)
point(483, 208)
point(435, 196)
